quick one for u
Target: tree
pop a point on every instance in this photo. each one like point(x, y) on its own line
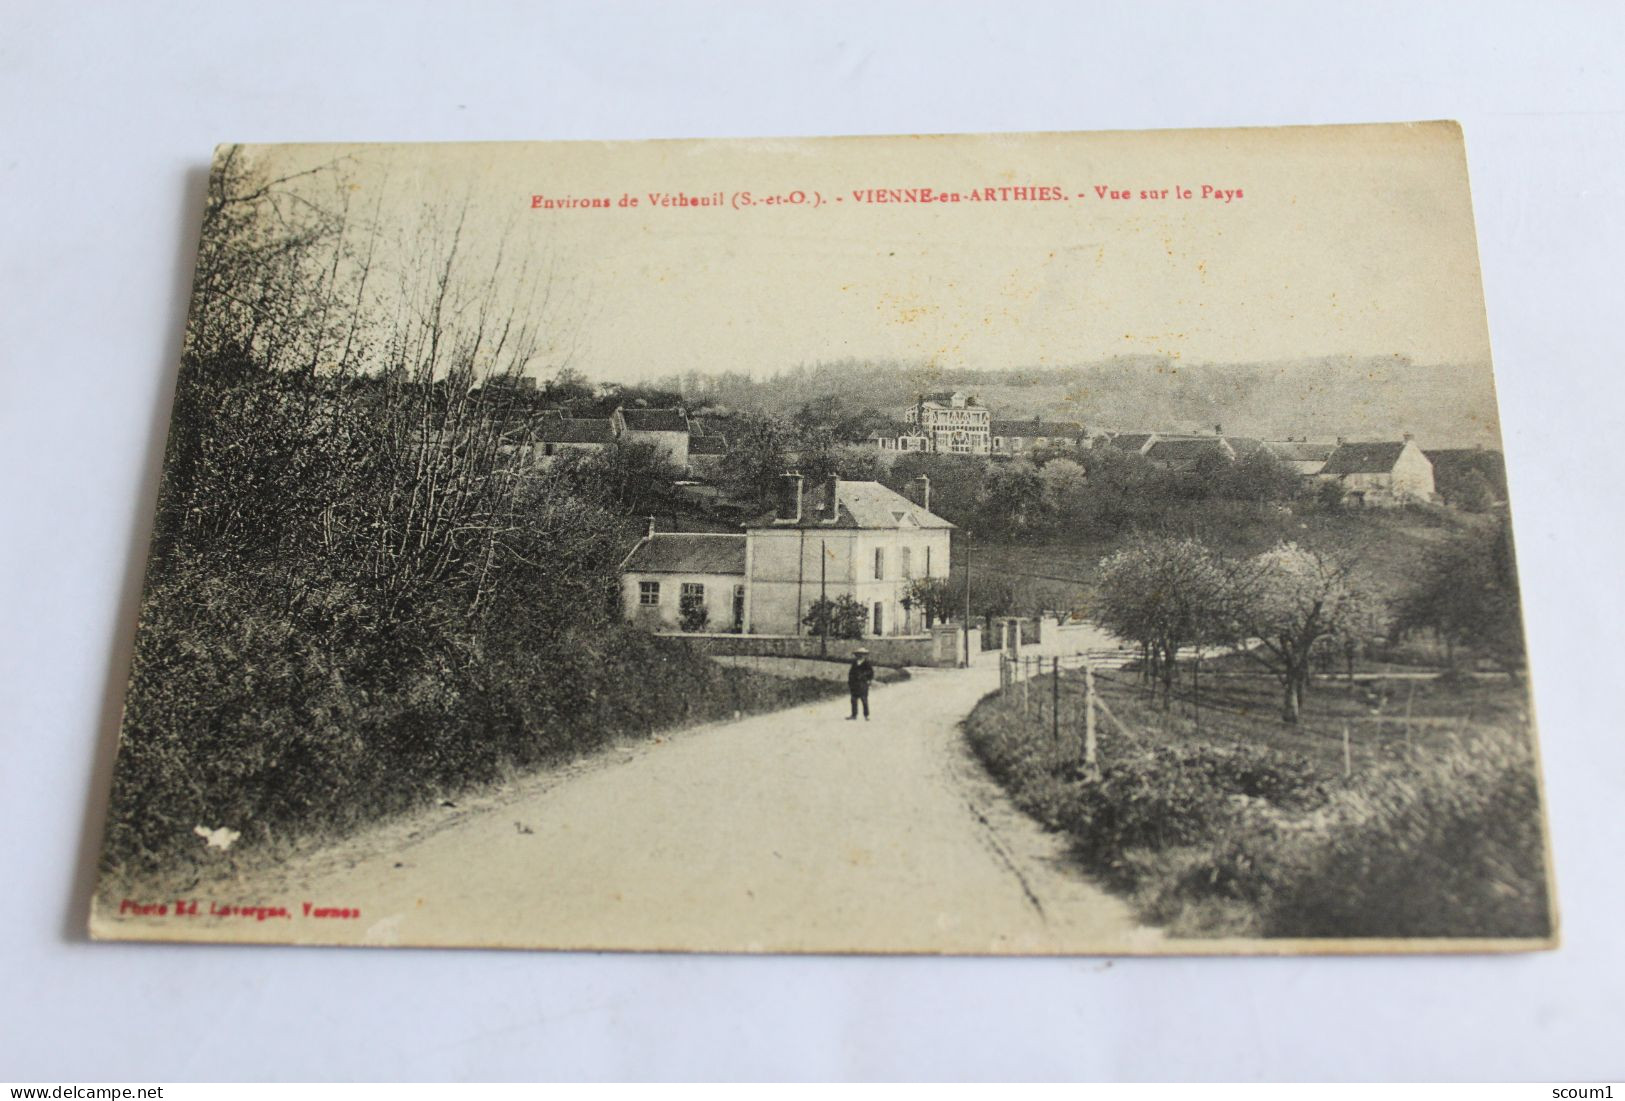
point(1284, 603)
point(633, 479)
point(935, 597)
point(1330, 494)
point(1472, 492)
point(1166, 594)
point(751, 469)
point(1122, 486)
point(1261, 477)
point(844, 617)
point(1468, 595)
point(1066, 485)
point(1013, 499)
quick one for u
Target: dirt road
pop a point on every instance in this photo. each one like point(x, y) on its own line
point(794, 831)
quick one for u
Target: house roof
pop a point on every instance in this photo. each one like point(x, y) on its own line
point(1244, 446)
point(1301, 451)
point(707, 445)
point(863, 505)
point(1188, 450)
point(687, 552)
point(1364, 458)
point(893, 429)
point(565, 430)
point(1130, 441)
point(655, 420)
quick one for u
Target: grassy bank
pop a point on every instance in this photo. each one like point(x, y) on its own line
point(1253, 829)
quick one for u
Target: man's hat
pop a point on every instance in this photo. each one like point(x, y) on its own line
point(861, 650)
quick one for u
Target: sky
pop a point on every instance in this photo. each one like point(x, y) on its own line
point(1335, 241)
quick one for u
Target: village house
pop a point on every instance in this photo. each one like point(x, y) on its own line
point(666, 429)
point(1019, 437)
point(1380, 474)
point(556, 436)
point(668, 569)
point(856, 539)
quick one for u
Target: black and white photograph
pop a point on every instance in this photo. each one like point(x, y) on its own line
point(1009, 544)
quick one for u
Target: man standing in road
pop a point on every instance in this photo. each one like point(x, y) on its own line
point(857, 682)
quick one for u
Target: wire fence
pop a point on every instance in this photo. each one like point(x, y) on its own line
point(1077, 698)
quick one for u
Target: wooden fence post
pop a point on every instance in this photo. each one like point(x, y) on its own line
point(1055, 702)
point(1089, 746)
point(1348, 760)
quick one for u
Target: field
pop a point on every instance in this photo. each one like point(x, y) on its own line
point(1387, 546)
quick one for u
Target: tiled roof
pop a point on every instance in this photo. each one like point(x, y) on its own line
point(564, 430)
point(685, 552)
point(1243, 446)
point(865, 505)
point(1363, 458)
point(1029, 429)
point(707, 445)
point(1131, 441)
point(655, 420)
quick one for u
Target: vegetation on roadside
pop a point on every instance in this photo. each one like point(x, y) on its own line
point(363, 592)
point(1211, 833)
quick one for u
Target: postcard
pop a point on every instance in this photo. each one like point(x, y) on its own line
point(1086, 543)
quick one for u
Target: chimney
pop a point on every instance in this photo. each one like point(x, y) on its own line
point(650, 534)
point(789, 511)
point(1341, 440)
point(831, 504)
point(1407, 437)
point(922, 492)
point(1218, 430)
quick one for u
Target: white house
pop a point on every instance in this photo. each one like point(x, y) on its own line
point(856, 539)
point(667, 567)
point(1381, 474)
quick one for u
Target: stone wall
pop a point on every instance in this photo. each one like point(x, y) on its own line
point(919, 650)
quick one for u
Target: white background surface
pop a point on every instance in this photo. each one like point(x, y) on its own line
point(108, 114)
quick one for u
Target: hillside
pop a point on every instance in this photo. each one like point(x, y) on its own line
point(1442, 405)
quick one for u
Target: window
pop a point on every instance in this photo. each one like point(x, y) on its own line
point(880, 563)
point(880, 619)
point(649, 594)
point(928, 561)
point(906, 563)
point(693, 589)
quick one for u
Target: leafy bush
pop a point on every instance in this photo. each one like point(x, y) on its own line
point(845, 617)
point(1449, 845)
point(692, 615)
point(1244, 841)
